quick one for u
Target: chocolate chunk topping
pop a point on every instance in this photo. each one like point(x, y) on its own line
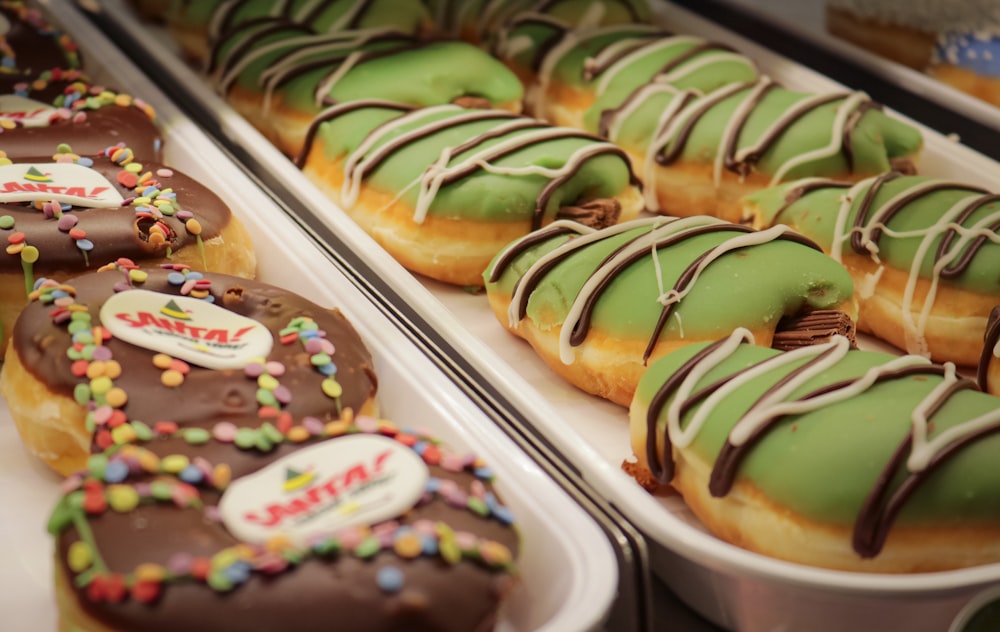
point(804, 330)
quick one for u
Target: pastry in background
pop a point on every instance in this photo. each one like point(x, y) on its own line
point(954, 41)
point(30, 45)
point(970, 61)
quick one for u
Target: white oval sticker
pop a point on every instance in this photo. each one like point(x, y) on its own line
point(188, 328)
point(27, 112)
point(65, 182)
point(348, 481)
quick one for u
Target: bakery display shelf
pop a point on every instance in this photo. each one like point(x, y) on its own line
point(569, 571)
point(921, 97)
point(731, 587)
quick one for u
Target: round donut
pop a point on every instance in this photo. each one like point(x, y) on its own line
point(146, 538)
point(599, 305)
point(575, 74)
point(198, 26)
point(969, 60)
point(69, 387)
point(281, 75)
point(66, 108)
point(62, 215)
point(443, 189)
point(826, 456)
point(988, 373)
point(30, 45)
point(923, 285)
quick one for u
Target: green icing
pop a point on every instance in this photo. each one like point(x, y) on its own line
point(876, 139)
point(408, 17)
point(401, 71)
point(752, 287)
point(482, 194)
point(641, 71)
point(815, 215)
point(823, 464)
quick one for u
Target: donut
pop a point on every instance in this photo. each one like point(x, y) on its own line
point(281, 75)
point(575, 74)
point(197, 26)
point(700, 154)
point(599, 305)
point(165, 535)
point(480, 21)
point(30, 45)
point(970, 61)
point(443, 188)
point(67, 108)
point(988, 373)
point(826, 456)
point(176, 346)
point(923, 253)
point(64, 214)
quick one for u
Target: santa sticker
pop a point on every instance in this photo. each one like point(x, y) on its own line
point(26, 112)
point(187, 328)
point(316, 491)
point(64, 182)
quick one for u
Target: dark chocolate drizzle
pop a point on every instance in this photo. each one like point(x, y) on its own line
point(991, 337)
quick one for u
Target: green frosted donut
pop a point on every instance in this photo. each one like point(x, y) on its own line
point(865, 442)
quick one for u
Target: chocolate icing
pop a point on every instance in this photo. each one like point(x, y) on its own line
point(115, 232)
point(32, 46)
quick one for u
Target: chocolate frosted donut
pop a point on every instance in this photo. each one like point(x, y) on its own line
point(58, 219)
point(827, 456)
point(29, 45)
point(66, 108)
point(49, 375)
point(358, 526)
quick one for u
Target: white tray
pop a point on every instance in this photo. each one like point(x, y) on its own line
point(730, 586)
point(569, 574)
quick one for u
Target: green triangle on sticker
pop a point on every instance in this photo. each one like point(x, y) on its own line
point(174, 311)
point(35, 175)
